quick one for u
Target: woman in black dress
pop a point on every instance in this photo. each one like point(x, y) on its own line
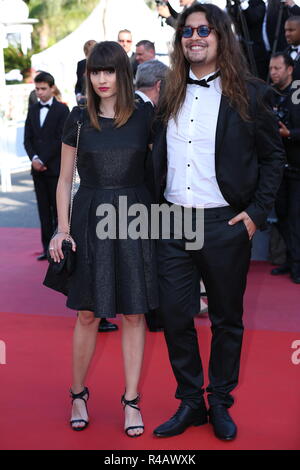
point(116, 273)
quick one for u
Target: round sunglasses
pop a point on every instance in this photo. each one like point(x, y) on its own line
point(203, 31)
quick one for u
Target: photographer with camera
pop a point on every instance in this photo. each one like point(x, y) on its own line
point(248, 18)
point(287, 203)
point(165, 10)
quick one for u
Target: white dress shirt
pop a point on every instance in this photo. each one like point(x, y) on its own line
point(44, 111)
point(191, 176)
point(295, 53)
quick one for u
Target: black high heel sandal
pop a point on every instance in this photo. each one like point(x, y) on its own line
point(132, 404)
point(80, 396)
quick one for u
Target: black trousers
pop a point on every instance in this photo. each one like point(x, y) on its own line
point(288, 212)
point(45, 189)
point(223, 262)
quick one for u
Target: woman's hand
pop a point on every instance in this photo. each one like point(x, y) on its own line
point(55, 246)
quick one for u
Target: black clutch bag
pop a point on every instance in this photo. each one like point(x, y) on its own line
point(59, 274)
point(68, 262)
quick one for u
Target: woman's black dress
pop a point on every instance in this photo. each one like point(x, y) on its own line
point(112, 275)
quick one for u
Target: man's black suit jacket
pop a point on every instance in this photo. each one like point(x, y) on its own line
point(249, 156)
point(296, 72)
point(80, 72)
point(292, 143)
point(45, 141)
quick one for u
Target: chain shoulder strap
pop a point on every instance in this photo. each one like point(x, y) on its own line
point(79, 124)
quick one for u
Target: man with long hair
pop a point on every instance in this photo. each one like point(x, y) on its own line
point(220, 149)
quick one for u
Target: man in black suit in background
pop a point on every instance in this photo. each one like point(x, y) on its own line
point(292, 35)
point(42, 141)
point(150, 79)
point(125, 40)
point(271, 21)
point(219, 149)
point(80, 72)
point(287, 205)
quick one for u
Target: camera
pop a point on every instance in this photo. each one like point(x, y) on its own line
point(282, 115)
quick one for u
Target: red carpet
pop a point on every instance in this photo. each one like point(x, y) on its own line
point(37, 331)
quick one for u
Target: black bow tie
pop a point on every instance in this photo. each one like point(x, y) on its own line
point(44, 106)
point(202, 82)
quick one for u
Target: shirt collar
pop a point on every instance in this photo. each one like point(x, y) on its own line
point(296, 47)
point(47, 102)
point(194, 77)
point(144, 97)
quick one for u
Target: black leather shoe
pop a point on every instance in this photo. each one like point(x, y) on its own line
point(295, 273)
point(283, 269)
point(295, 276)
point(42, 257)
point(106, 326)
point(184, 417)
point(224, 427)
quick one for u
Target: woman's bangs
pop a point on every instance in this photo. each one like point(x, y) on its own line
point(101, 61)
point(102, 68)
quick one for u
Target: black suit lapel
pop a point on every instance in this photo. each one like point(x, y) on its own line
point(221, 124)
point(36, 117)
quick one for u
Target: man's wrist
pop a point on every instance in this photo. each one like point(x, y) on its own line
point(36, 158)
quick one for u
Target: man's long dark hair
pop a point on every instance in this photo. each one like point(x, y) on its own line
point(109, 55)
point(230, 61)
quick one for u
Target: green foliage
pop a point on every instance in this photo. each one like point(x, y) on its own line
point(57, 19)
point(15, 59)
point(151, 4)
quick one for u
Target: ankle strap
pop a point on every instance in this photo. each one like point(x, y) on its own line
point(80, 395)
point(131, 403)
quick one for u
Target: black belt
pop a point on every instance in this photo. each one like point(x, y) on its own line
point(110, 187)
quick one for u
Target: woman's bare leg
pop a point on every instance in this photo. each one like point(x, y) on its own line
point(133, 341)
point(84, 343)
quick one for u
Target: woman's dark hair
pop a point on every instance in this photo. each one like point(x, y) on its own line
point(230, 61)
point(109, 55)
